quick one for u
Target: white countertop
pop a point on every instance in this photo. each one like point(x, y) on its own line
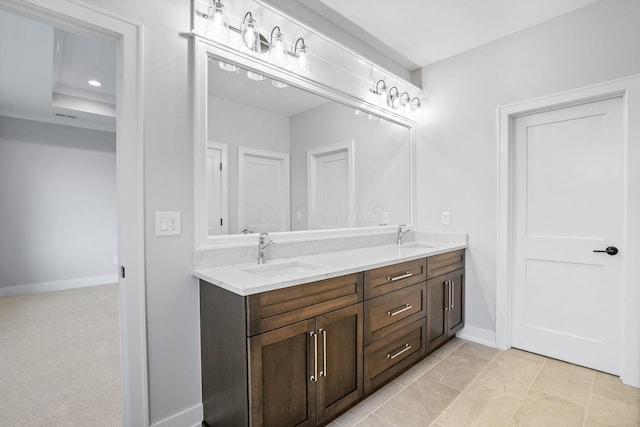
point(234, 278)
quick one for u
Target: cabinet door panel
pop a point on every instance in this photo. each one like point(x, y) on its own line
point(437, 301)
point(456, 312)
point(340, 381)
point(281, 365)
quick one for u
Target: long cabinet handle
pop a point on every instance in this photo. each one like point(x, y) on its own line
point(403, 276)
point(323, 373)
point(448, 303)
point(399, 310)
point(314, 377)
point(406, 347)
point(451, 293)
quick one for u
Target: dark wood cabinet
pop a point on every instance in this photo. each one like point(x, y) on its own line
point(308, 372)
point(445, 310)
point(302, 355)
point(339, 381)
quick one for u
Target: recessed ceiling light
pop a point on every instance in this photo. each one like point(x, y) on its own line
point(94, 83)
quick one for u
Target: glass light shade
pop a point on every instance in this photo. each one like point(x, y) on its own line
point(227, 67)
point(360, 113)
point(217, 25)
point(278, 50)
point(278, 84)
point(255, 76)
point(302, 61)
point(384, 96)
point(250, 36)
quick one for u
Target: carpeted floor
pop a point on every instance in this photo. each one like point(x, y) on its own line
point(60, 358)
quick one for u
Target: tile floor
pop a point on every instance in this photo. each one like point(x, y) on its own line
point(60, 359)
point(468, 384)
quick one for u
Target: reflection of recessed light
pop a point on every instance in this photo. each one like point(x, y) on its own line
point(94, 83)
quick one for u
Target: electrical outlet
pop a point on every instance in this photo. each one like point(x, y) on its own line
point(168, 223)
point(445, 218)
point(385, 217)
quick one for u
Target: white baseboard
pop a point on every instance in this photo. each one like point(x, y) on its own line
point(478, 335)
point(58, 285)
point(191, 417)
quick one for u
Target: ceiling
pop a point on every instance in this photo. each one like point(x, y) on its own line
point(44, 74)
point(417, 33)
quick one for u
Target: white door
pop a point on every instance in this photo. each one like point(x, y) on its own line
point(568, 202)
point(217, 217)
point(331, 186)
point(263, 190)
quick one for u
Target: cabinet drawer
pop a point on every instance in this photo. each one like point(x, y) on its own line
point(270, 310)
point(392, 354)
point(445, 263)
point(392, 277)
point(388, 313)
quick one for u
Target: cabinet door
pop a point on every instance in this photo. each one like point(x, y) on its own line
point(437, 310)
point(455, 313)
point(281, 365)
point(339, 360)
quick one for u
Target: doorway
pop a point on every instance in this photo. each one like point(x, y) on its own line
point(83, 19)
point(566, 168)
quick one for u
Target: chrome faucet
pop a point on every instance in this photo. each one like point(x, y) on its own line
point(262, 244)
point(401, 231)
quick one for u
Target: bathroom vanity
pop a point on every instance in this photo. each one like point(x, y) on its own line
point(296, 343)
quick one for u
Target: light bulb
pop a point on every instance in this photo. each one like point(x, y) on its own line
point(250, 36)
point(278, 84)
point(217, 27)
point(255, 76)
point(278, 50)
point(302, 63)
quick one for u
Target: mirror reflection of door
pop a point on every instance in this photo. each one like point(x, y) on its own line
point(217, 189)
point(263, 190)
point(331, 186)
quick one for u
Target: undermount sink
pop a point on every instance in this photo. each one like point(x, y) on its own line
point(281, 269)
point(417, 246)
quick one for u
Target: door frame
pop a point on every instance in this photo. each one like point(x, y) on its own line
point(286, 185)
point(79, 16)
point(629, 90)
point(224, 183)
point(312, 163)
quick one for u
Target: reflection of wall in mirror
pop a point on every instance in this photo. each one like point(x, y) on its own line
point(239, 125)
point(382, 156)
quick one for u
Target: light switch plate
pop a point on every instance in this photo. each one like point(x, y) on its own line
point(168, 224)
point(445, 218)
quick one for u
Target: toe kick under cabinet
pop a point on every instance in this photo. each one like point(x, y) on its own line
point(302, 355)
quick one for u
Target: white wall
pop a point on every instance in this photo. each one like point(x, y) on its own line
point(239, 125)
point(57, 204)
point(457, 140)
point(381, 161)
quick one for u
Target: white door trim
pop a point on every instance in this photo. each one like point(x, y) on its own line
point(224, 184)
point(629, 90)
point(80, 16)
point(312, 159)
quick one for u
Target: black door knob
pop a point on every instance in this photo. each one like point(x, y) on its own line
point(611, 250)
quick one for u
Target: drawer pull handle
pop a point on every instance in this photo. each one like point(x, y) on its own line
point(323, 373)
point(404, 276)
point(406, 347)
point(314, 377)
point(400, 310)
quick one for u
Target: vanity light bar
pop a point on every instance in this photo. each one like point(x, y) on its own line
point(393, 99)
point(218, 29)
